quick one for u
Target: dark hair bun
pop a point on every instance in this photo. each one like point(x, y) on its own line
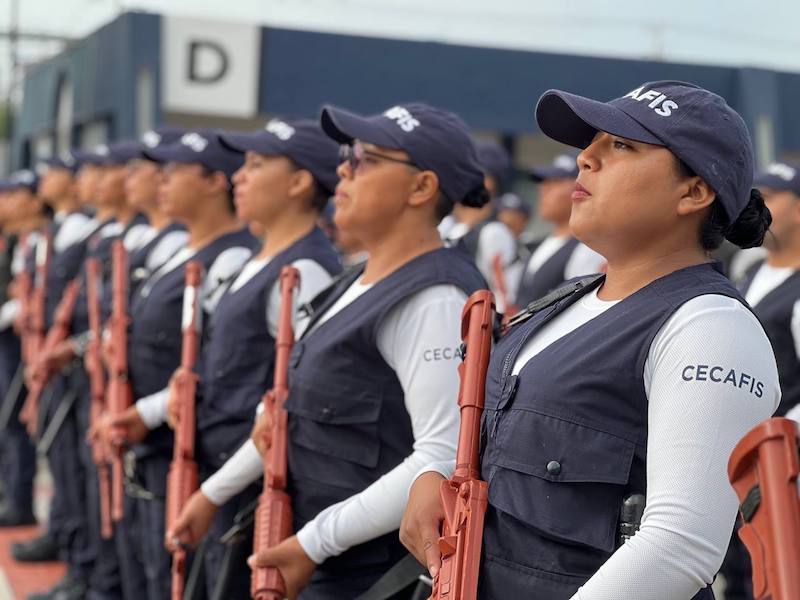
point(477, 198)
point(749, 229)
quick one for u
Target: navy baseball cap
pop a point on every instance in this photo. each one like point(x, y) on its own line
point(696, 125)
point(201, 146)
point(564, 166)
point(494, 159)
point(510, 201)
point(62, 161)
point(24, 178)
point(97, 156)
point(302, 141)
point(121, 153)
point(435, 140)
point(780, 176)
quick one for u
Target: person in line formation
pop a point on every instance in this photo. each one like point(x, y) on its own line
point(286, 180)
point(596, 393)
point(560, 256)
point(772, 287)
point(384, 337)
point(476, 230)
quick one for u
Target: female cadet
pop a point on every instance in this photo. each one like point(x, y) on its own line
point(195, 191)
point(373, 377)
point(639, 381)
point(287, 177)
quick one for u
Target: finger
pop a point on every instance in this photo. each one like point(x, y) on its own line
point(430, 545)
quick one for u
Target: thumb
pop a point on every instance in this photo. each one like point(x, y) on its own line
point(262, 558)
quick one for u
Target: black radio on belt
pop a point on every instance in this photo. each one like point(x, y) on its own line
point(630, 516)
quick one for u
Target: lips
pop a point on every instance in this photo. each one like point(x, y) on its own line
point(580, 192)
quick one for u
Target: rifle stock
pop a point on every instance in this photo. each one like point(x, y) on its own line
point(274, 512)
point(763, 470)
point(120, 396)
point(36, 327)
point(58, 333)
point(502, 287)
point(93, 363)
point(464, 496)
point(182, 479)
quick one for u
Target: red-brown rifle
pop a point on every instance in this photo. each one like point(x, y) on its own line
point(763, 470)
point(274, 512)
point(182, 480)
point(120, 395)
point(465, 496)
point(93, 362)
point(37, 328)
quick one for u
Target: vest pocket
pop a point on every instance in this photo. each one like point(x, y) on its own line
point(341, 425)
point(560, 477)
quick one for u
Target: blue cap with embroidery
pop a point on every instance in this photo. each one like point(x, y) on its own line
point(564, 166)
point(200, 146)
point(434, 139)
point(780, 177)
point(302, 141)
point(695, 124)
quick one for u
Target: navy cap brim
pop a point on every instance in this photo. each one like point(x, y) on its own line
point(772, 181)
point(575, 120)
point(259, 142)
point(172, 153)
point(344, 127)
point(540, 174)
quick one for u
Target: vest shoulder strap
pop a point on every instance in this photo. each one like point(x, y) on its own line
point(566, 290)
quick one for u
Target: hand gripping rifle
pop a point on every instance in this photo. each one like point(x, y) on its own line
point(274, 512)
point(465, 496)
point(120, 396)
point(93, 361)
point(763, 470)
point(182, 479)
point(58, 332)
point(37, 326)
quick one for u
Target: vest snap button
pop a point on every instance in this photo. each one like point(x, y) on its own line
point(554, 467)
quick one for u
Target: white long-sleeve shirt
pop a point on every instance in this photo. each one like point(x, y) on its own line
point(313, 279)
point(419, 340)
point(696, 415)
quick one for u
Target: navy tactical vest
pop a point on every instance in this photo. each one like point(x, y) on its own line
point(565, 441)
point(348, 424)
point(137, 260)
point(239, 352)
point(470, 241)
point(154, 346)
point(547, 277)
point(775, 313)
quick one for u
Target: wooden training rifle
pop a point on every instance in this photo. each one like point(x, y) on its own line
point(274, 512)
point(182, 479)
point(465, 496)
point(120, 395)
point(763, 470)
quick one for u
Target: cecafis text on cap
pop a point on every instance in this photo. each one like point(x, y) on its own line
point(782, 170)
point(280, 129)
point(403, 117)
point(151, 138)
point(656, 100)
point(195, 141)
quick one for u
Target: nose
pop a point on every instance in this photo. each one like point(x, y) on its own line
point(587, 159)
point(238, 176)
point(344, 171)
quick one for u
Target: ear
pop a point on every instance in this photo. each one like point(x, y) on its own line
point(301, 184)
point(219, 183)
point(695, 196)
point(424, 188)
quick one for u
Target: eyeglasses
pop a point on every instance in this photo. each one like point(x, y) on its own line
point(354, 155)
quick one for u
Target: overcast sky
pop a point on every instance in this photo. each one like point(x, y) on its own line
point(760, 33)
